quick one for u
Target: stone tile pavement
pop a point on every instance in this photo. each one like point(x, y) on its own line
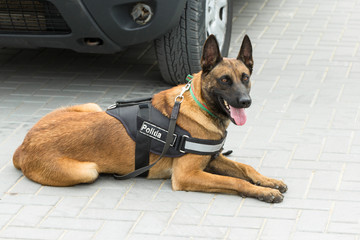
point(303, 127)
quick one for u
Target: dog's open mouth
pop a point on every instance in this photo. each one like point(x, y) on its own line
point(237, 115)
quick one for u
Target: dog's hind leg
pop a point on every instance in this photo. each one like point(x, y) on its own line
point(224, 166)
point(62, 172)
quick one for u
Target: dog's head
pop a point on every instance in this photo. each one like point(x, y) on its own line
point(226, 82)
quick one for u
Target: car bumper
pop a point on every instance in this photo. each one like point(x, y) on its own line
point(108, 21)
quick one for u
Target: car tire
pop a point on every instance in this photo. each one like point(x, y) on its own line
point(179, 51)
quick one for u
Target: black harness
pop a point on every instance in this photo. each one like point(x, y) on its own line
point(150, 129)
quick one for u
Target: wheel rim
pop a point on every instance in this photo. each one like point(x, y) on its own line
point(216, 19)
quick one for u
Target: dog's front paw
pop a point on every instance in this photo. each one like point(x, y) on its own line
point(282, 187)
point(270, 196)
point(273, 183)
point(278, 184)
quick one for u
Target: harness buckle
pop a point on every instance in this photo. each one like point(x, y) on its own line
point(182, 143)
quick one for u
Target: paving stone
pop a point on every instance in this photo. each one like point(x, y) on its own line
point(7, 180)
point(236, 222)
point(325, 179)
point(30, 233)
point(282, 173)
point(186, 197)
point(337, 157)
point(195, 231)
point(30, 216)
point(333, 195)
point(309, 223)
point(250, 211)
point(306, 204)
point(153, 222)
point(315, 165)
point(4, 219)
point(276, 159)
point(297, 187)
point(146, 205)
point(349, 228)
point(9, 208)
point(72, 223)
point(307, 151)
point(325, 236)
point(350, 186)
point(277, 229)
point(346, 212)
point(26, 186)
point(189, 213)
point(107, 198)
point(225, 205)
point(109, 214)
point(69, 206)
point(33, 199)
point(352, 172)
point(114, 230)
point(138, 236)
point(243, 233)
point(79, 235)
point(337, 144)
point(71, 192)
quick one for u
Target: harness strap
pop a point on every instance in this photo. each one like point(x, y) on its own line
point(130, 102)
point(201, 146)
point(143, 143)
point(168, 141)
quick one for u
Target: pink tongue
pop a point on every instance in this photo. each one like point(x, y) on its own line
point(239, 115)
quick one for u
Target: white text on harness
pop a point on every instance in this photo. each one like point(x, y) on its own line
point(149, 129)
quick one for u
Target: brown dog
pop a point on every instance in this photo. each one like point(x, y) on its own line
point(73, 145)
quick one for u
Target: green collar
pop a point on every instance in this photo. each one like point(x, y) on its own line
point(201, 105)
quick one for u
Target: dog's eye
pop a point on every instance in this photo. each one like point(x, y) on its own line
point(225, 80)
point(245, 78)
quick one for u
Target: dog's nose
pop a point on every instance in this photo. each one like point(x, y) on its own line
point(245, 102)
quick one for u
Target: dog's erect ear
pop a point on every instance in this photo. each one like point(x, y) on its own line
point(245, 54)
point(210, 55)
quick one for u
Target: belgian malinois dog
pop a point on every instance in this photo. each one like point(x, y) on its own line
point(73, 145)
